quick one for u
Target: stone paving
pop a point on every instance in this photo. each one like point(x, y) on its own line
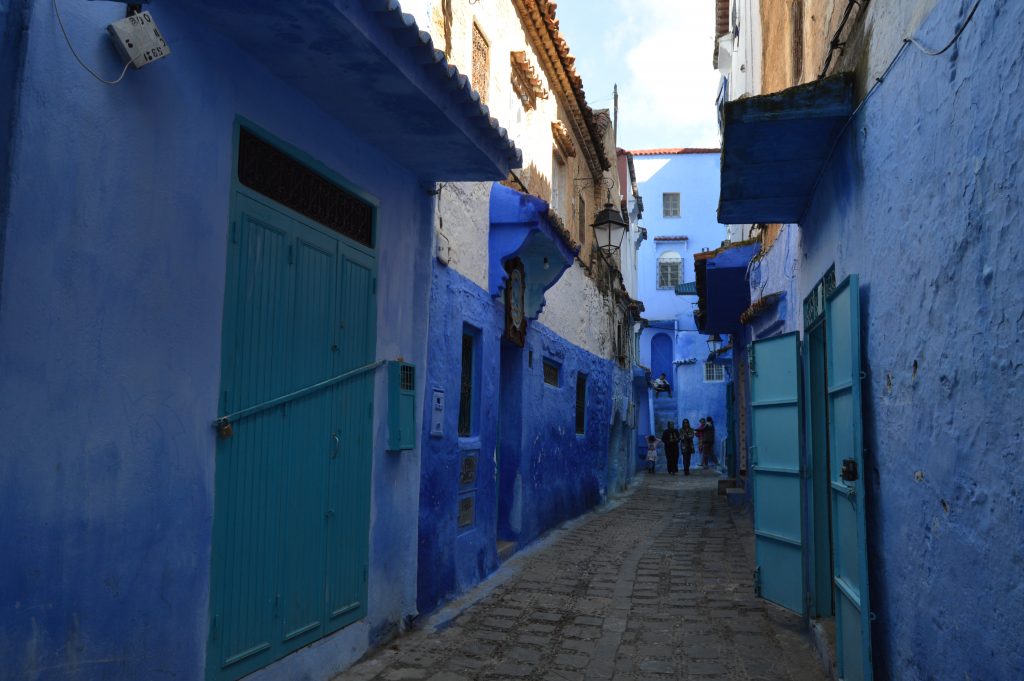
point(658, 587)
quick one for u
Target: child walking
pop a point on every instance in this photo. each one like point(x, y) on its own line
point(652, 452)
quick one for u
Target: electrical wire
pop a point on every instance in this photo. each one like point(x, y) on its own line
point(970, 15)
point(81, 63)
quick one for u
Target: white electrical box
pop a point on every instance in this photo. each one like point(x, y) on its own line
point(138, 39)
point(437, 414)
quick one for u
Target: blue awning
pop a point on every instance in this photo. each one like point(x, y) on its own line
point(775, 146)
point(521, 228)
point(722, 289)
point(367, 64)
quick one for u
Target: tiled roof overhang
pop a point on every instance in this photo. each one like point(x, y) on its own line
point(774, 148)
point(538, 17)
point(674, 151)
point(368, 65)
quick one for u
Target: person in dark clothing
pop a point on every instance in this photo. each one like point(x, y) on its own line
point(708, 444)
point(671, 439)
point(686, 444)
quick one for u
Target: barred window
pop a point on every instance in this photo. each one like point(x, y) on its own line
point(582, 218)
point(552, 372)
point(670, 270)
point(466, 384)
point(481, 63)
point(581, 403)
point(713, 373)
point(670, 204)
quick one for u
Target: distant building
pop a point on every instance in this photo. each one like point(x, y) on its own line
point(680, 187)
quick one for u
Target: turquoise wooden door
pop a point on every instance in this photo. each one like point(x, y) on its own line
point(775, 462)
point(850, 569)
point(291, 508)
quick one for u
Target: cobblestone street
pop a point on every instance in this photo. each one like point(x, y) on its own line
point(657, 587)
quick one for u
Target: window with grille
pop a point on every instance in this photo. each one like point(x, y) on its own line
point(670, 204)
point(581, 403)
point(552, 372)
point(266, 169)
point(670, 270)
point(713, 373)
point(481, 63)
point(466, 384)
point(582, 219)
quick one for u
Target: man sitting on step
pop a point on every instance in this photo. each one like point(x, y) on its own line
point(661, 385)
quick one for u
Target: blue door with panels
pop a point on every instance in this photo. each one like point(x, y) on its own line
point(850, 567)
point(292, 487)
point(776, 473)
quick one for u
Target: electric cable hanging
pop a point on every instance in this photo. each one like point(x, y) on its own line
point(907, 42)
point(81, 63)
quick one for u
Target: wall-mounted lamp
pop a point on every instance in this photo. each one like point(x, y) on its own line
point(714, 343)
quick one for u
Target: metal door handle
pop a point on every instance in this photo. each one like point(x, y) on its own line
point(337, 445)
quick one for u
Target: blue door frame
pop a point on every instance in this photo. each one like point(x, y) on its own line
point(292, 488)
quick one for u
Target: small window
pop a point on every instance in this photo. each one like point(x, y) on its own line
point(466, 387)
point(552, 372)
point(713, 373)
point(670, 270)
point(481, 63)
point(557, 181)
point(582, 219)
point(670, 204)
point(581, 404)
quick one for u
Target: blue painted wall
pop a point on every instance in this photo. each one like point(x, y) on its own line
point(549, 473)
point(110, 351)
point(924, 199)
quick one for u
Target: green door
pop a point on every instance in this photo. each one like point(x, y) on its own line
point(846, 466)
point(291, 508)
point(775, 461)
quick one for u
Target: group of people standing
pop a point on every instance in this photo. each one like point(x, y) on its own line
point(680, 440)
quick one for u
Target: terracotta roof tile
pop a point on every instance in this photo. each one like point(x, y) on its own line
point(674, 150)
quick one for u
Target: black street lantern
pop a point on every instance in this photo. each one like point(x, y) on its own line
point(609, 229)
point(714, 343)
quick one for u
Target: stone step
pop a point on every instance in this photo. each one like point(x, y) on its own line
point(736, 496)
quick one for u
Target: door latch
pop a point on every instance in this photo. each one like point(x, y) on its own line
point(849, 472)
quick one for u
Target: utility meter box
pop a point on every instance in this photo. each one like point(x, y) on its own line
point(138, 39)
point(401, 406)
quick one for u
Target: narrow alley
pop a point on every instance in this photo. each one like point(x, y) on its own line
point(657, 587)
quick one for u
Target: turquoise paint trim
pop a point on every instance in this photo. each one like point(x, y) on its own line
point(843, 334)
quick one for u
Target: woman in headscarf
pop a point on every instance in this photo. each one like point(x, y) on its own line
point(686, 440)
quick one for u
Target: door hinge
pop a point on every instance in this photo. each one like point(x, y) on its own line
point(751, 357)
point(757, 581)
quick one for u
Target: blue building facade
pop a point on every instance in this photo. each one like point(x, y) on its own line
point(680, 187)
point(911, 227)
point(222, 235)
